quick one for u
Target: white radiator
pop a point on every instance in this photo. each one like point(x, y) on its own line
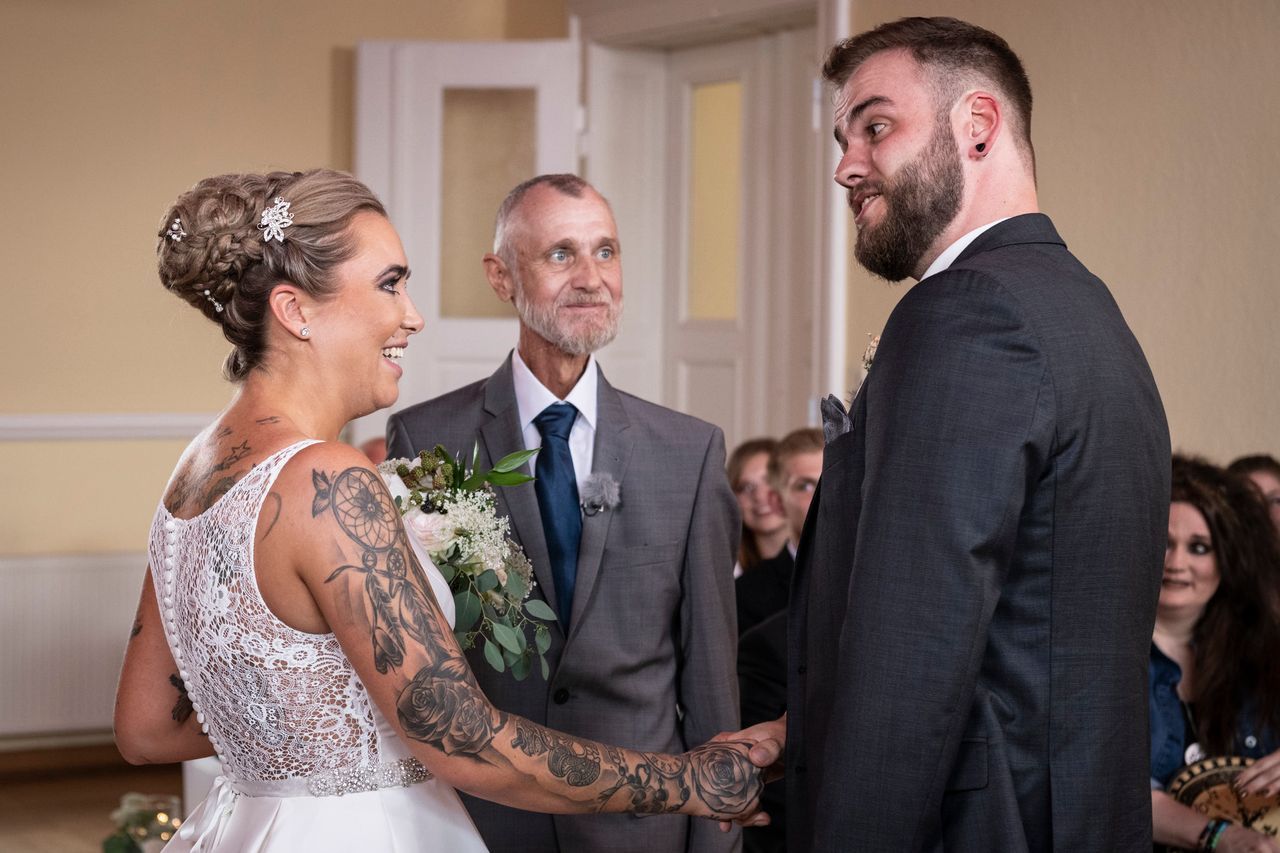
point(64, 622)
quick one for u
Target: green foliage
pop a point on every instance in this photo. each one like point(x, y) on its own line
point(490, 603)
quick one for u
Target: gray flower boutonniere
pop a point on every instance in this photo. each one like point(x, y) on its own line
point(600, 492)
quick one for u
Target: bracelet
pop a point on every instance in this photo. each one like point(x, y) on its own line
point(1212, 834)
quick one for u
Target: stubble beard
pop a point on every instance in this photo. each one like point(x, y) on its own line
point(920, 202)
point(545, 320)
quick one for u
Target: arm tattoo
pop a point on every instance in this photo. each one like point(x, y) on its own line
point(182, 708)
point(137, 628)
point(442, 705)
point(224, 432)
point(270, 419)
point(278, 503)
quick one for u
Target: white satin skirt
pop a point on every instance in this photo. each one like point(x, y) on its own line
point(427, 816)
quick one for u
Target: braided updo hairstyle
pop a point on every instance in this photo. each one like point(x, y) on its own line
point(222, 258)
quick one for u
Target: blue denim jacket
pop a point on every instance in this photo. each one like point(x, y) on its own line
point(1169, 727)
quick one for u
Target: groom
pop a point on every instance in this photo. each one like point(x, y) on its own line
point(630, 524)
point(976, 585)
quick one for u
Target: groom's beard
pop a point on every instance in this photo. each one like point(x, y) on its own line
point(920, 202)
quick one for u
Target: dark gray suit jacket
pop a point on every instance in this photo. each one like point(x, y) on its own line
point(975, 589)
point(653, 627)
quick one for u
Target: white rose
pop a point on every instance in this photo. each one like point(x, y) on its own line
point(434, 530)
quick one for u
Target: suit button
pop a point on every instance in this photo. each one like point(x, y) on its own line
point(560, 696)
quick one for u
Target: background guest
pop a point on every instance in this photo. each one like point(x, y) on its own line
point(1264, 471)
point(1214, 683)
point(794, 467)
point(764, 528)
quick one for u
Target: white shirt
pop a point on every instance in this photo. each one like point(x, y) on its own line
point(949, 254)
point(532, 397)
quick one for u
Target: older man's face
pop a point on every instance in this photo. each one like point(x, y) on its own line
point(900, 165)
point(568, 269)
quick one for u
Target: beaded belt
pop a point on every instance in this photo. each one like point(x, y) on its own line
point(354, 780)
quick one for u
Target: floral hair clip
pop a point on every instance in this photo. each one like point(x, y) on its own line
point(175, 232)
point(274, 220)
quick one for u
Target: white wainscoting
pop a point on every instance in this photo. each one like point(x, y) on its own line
point(64, 622)
point(93, 426)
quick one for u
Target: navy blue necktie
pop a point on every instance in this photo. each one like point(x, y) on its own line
point(557, 490)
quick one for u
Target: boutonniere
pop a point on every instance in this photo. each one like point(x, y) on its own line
point(600, 492)
point(869, 354)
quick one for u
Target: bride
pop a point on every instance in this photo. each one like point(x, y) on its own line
point(285, 624)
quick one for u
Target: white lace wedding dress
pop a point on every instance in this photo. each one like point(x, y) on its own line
point(308, 761)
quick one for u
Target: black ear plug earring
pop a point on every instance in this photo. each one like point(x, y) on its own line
point(980, 147)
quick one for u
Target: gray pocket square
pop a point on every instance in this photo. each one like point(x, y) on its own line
point(835, 419)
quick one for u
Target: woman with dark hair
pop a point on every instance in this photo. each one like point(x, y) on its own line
point(764, 527)
point(1214, 677)
point(1264, 472)
point(308, 647)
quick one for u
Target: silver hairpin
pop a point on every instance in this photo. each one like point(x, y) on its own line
point(274, 220)
point(217, 306)
point(175, 232)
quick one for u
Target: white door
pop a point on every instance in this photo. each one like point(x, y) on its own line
point(709, 156)
point(443, 130)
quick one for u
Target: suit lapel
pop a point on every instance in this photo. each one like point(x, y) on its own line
point(612, 452)
point(500, 435)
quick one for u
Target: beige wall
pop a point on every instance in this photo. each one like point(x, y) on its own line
point(1157, 131)
point(109, 110)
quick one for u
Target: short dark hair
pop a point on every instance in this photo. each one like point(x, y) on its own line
point(794, 443)
point(953, 51)
point(1257, 462)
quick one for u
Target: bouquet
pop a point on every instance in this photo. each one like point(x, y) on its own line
point(450, 511)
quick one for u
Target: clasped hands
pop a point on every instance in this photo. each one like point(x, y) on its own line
point(768, 741)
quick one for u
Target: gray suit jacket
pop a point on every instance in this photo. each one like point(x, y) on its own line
point(975, 589)
point(649, 662)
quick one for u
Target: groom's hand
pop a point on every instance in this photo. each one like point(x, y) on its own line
point(769, 741)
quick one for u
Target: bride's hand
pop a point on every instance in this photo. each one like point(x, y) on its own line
point(727, 785)
point(767, 742)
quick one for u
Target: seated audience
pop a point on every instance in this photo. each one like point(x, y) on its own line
point(764, 528)
point(1214, 679)
point(794, 467)
point(1264, 472)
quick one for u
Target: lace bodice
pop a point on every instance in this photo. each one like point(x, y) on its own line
point(284, 709)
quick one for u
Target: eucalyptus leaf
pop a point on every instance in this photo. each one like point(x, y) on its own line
point(510, 657)
point(466, 609)
point(509, 478)
point(493, 656)
point(517, 588)
point(512, 461)
point(447, 571)
point(539, 609)
point(507, 636)
point(488, 580)
point(542, 639)
point(520, 669)
point(546, 670)
point(522, 640)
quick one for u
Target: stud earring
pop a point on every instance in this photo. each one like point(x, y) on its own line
point(980, 147)
point(305, 331)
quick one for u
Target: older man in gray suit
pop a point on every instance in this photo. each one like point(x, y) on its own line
point(976, 584)
point(630, 524)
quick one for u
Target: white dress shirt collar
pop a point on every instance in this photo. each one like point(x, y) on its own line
point(949, 255)
point(532, 396)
